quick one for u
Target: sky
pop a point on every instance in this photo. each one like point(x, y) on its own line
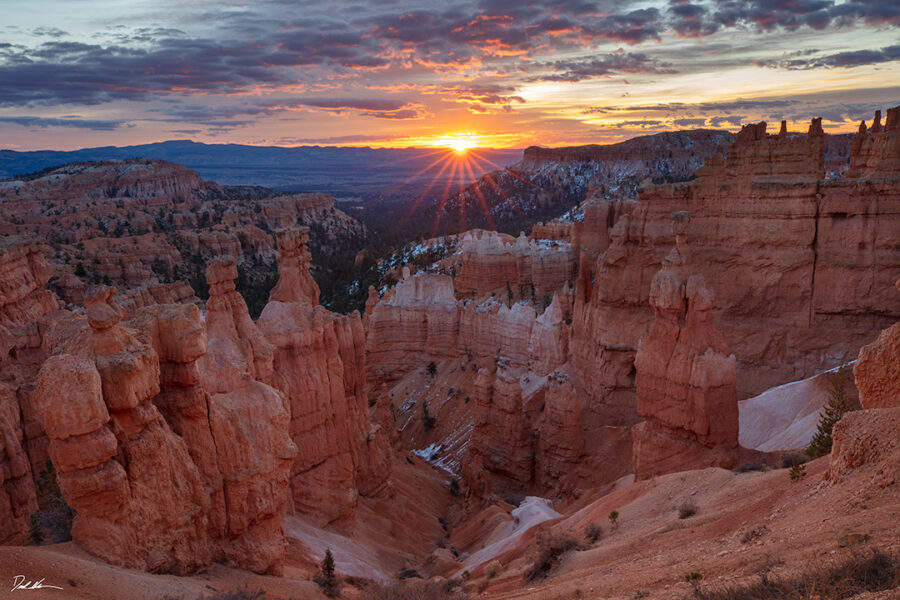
point(387, 73)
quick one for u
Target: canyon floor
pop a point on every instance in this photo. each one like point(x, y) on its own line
point(746, 524)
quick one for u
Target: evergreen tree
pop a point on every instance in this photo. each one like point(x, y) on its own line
point(327, 580)
point(837, 406)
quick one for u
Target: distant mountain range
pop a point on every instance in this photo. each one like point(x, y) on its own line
point(344, 172)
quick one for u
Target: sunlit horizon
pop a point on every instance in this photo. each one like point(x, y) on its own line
point(380, 75)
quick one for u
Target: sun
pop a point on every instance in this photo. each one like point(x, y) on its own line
point(459, 142)
point(461, 146)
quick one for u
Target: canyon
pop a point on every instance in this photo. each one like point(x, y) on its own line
point(623, 357)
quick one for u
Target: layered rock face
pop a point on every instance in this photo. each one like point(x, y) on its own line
point(420, 320)
point(685, 377)
point(162, 475)
point(800, 266)
point(877, 369)
point(23, 445)
point(295, 284)
point(136, 491)
point(320, 366)
point(522, 267)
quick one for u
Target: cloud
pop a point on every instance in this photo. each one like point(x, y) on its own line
point(689, 122)
point(641, 124)
point(53, 32)
point(733, 120)
point(610, 64)
point(840, 60)
point(691, 20)
point(705, 107)
point(42, 122)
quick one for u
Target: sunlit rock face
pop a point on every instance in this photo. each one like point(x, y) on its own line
point(319, 364)
point(495, 262)
point(164, 474)
point(877, 369)
point(685, 376)
point(800, 265)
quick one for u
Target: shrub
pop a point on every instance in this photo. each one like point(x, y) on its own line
point(693, 577)
point(550, 552)
point(752, 534)
point(429, 420)
point(431, 368)
point(837, 406)
point(327, 580)
point(593, 533)
point(493, 569)
point(614, 519)
point(408, 573)
point(687, 509)
point(798, 470)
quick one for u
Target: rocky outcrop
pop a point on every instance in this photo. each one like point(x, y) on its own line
point(137, 223)
point(685, 376)
point(503, 442)
point(136, 491)
point(320, 367)
point(865, 441)
point(295, 284)
point(238, 353)
point(18, 497)
point(163, 476)
point(800, 266)
point(420, 320)
point(490, 262)
point(24, 305)
point(561, 444)
point(877, 370)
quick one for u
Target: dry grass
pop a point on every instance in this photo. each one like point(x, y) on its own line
point(873, 571)
point(450, 589)
point(593, 533)
point(687, 509)
point(550, 552)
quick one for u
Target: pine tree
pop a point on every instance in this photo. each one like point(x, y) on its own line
point(327, 579)
point(837, 406)
point(798, 470)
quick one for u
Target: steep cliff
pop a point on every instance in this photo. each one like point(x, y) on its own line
point(24, 303)
point(685, 377)
point(801, 266)
point(320, 366)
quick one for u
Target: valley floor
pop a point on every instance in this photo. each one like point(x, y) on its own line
point(745, 524)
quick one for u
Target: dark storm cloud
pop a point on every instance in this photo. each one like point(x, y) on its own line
point(610, 64)
point(839, 60)
point(81, 73)
point(768, 15)
point(269, 47)
point(691, 20)
point(98, 125)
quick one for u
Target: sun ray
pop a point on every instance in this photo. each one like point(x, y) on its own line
point(444, 197)
point(444, 156)
point(448, 162)
point(481, 200)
